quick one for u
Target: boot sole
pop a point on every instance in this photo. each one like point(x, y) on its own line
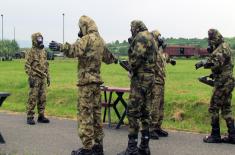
point(43, 122)
point(217, 141)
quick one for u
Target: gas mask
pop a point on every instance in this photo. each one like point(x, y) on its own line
point(40, 42)
point(209, 49)
point(133, 32)
point(214, 40)
point(80, 35)
point(130, 40)
point(161, 42)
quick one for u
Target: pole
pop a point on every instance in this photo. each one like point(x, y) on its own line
point(14, 34)
point(63, 28)
point(2, 26)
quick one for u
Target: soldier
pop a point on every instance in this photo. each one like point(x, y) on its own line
point(90, 51)
point(157, 112)
point(141, 56)
point(220, 62)
point(36, 67)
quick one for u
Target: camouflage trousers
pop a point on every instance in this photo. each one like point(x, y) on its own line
point(37, 96)
point(89, 115)
point(157, 109)
point(221, 100)
point(140, 100)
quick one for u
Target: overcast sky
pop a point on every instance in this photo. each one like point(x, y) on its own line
point(174, 18)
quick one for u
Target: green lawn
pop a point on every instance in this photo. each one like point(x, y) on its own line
point(184, 94)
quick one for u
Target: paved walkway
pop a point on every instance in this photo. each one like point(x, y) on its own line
point(60, 137)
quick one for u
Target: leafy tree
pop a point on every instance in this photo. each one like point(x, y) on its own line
point(8, 47)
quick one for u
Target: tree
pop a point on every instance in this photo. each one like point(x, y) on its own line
point(8, 47)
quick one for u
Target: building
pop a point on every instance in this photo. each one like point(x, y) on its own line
point(185, 51)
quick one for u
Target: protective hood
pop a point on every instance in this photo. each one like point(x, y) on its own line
point(214, 38)
point(161, 41)
point(156, 34)
point(87, 25)
point(137, 26)
point(34, 37)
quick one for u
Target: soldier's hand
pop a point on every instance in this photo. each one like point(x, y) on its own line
point(173, 62)
point(130, 40)
point(48, 82)
point(31, 82)
point(54, 46)
point(198, 65)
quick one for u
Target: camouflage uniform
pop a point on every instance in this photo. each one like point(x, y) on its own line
point(220, 62)
point(90, 51)
point(223, 79)
point(37, 69)
point(141, 61)
point(157, 110)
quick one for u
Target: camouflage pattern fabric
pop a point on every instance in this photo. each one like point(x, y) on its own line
point(37, 95)
point(157, 109)
point(36, 67)
point(90, 51)
point(222, 70)
point(142, 60)
point(89, 115)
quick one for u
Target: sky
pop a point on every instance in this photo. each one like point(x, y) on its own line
point(173, 18)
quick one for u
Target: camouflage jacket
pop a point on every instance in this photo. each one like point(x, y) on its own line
point(142, 53)
point(36, 63)
point(222, 69)
point(90, 51)
point(162, 59)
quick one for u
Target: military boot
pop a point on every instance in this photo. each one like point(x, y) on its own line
point(144, 145)
point(82, 151)
point(215, 132)
point(161, 133)
point(43, 119)
point(30, 121)
point(132, 148)
point(231, 132)
point(153, 135)
point(98, 149)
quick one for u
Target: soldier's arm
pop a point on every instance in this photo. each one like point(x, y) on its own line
point(28, 63)
point(216, 60)
point(108, 57)
point(167, 58)
point(47, 70)
point(75, 50)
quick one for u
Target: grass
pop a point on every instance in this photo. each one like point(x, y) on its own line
point(183, 92)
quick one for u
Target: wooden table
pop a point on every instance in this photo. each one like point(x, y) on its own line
point(108, 104)
point(3, 96)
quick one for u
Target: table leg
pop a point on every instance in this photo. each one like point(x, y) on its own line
point(120, 94)
point(1, 100)
point(109, 108)
point(2, 141)
point(121, 121)
point(105, 108)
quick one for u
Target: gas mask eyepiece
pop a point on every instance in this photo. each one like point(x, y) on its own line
point(40, 42)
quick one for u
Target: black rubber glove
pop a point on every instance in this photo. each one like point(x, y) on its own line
point(54, 46)
point(173, 62)
point(48, 82)
point(31, 82)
